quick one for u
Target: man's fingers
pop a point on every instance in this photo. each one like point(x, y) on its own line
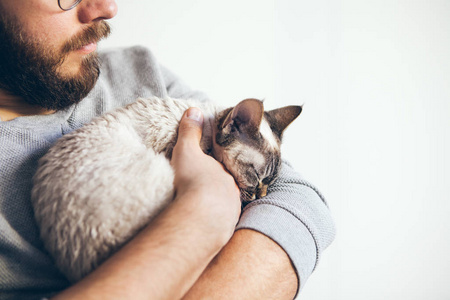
point(191, 125)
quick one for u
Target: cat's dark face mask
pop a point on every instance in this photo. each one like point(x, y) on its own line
point(30, 69)
point(247, 142)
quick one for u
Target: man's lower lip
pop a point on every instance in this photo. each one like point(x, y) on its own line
point(88, 48)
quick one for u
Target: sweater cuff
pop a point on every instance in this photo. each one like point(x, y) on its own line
point(278, 224)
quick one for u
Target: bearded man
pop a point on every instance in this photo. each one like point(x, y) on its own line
point(52, 81)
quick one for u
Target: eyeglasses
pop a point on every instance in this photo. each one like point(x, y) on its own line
point(68, 4)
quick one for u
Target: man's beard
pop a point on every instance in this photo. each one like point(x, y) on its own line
point(29, 70)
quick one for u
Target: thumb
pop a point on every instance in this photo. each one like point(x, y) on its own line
point(191, 125)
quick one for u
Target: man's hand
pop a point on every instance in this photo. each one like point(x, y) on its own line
point(203, 179)
point(166, 258)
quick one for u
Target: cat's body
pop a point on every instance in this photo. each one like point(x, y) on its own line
point(99, 185)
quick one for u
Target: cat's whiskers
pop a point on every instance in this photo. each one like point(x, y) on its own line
point(247, 195)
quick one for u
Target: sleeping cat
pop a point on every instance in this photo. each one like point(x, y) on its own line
point(99, 185)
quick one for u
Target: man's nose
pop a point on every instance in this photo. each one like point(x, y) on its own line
point(96, 10)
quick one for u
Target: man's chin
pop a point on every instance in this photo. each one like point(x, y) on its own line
point(75, 65)
point(71, 84)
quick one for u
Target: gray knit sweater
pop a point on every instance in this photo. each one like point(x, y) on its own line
point(294, 214)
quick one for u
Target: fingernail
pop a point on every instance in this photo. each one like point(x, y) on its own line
point(194, 113)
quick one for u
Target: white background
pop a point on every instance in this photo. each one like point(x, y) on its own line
point(374, 132)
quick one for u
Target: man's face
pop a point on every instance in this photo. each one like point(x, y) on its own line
point(47, 56)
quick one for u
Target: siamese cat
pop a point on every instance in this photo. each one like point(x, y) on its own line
point(99, 185)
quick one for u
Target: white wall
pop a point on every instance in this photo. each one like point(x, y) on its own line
point(373, 136)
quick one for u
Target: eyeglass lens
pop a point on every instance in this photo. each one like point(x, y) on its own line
point(68, 4)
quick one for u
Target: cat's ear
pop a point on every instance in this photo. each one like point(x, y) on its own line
point(247, 115)
point(280, 118)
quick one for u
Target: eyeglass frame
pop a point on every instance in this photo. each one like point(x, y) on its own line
point(71, 7)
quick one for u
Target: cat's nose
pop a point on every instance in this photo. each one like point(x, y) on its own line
point(261, 191)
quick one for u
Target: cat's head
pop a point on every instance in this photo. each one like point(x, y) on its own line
point(247, 142)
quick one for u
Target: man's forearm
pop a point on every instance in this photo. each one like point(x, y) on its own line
point(250, 266)
point(162, 262)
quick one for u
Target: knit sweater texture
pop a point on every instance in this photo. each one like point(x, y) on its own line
point(294, 214)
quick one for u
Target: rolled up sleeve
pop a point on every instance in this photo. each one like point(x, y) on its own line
point(295, 215)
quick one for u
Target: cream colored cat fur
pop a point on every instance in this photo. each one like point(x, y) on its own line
point(99, 185)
